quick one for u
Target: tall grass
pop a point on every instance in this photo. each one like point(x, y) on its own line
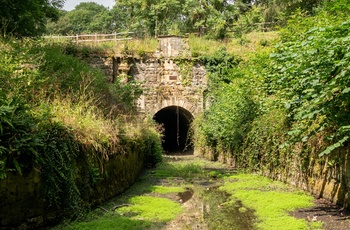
point(87, 123)
point(199, 46)
point(134, 47)
point(242, 47)
point(59, 115)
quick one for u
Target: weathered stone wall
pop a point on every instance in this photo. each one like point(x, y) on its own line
point(163, 85)
point(164, 81)
point(22, 200)
point(105, 63)
point(327, 177)
point(172, 46)
point(324, 177)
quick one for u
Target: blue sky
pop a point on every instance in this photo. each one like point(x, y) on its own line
point(70, 4)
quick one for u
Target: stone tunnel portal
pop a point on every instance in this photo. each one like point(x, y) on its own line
point(176, 123)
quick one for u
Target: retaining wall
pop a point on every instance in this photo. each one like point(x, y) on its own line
point(24, 206)
point(324, 177)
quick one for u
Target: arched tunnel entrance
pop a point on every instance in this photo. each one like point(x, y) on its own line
point(176, 122)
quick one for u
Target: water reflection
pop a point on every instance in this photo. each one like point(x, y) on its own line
point(222, 212)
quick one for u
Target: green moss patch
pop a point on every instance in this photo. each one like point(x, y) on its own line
point(151, 209)
point(271, 200)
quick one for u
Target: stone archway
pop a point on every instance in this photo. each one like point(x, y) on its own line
point(176, 122)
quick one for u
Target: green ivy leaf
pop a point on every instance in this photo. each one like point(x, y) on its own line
point(346, 90)
point(330, 148)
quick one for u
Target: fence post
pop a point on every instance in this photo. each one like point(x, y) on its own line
point(115, 36)
point(77, 38)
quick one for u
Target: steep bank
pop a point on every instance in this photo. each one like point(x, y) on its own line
point(284, 112)
point(66, 142)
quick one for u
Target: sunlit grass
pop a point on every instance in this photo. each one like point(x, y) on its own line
point(142, 213)
point(86, 122)
point(242, 47)
point(187, 169)
point(199, 46)
point(272, 200)
point(133, 47)
point(150, 208)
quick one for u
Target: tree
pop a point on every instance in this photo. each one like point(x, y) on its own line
point(27, 17)
point(87, 17)
point(61, 26)
point(276, 10)
point(156, 17)
point(151, 17)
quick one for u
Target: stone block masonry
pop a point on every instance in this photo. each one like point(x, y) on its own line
point(163, 85)
point(164, 82)
point(23, 204)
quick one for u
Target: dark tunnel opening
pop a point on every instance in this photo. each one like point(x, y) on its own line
point(176, 123)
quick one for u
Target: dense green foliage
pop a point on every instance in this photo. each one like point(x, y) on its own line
point(27, 18)
point(313, 75)
point(287, 103)
point(213, 18)
point(231, 110)
point(87, 17)
point(56, 111)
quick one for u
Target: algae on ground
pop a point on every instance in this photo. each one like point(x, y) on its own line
point(257, 201)
point(271, 200)
point(150, 208)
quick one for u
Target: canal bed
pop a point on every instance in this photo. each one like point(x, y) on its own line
point(186, 192)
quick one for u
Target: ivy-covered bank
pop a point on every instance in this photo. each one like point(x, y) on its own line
point(284, 110)
point(66, 143)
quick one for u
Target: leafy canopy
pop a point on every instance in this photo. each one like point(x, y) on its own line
point(27, 18)
point(87, 17)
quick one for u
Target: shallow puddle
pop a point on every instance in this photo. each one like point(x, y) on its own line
point(186, 195)
point(220, 212)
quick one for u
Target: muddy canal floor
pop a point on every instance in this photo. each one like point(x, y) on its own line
point(333, 216)
point(204, 206)
point(201, 211)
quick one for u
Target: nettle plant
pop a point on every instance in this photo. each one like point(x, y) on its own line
point(312, 76)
